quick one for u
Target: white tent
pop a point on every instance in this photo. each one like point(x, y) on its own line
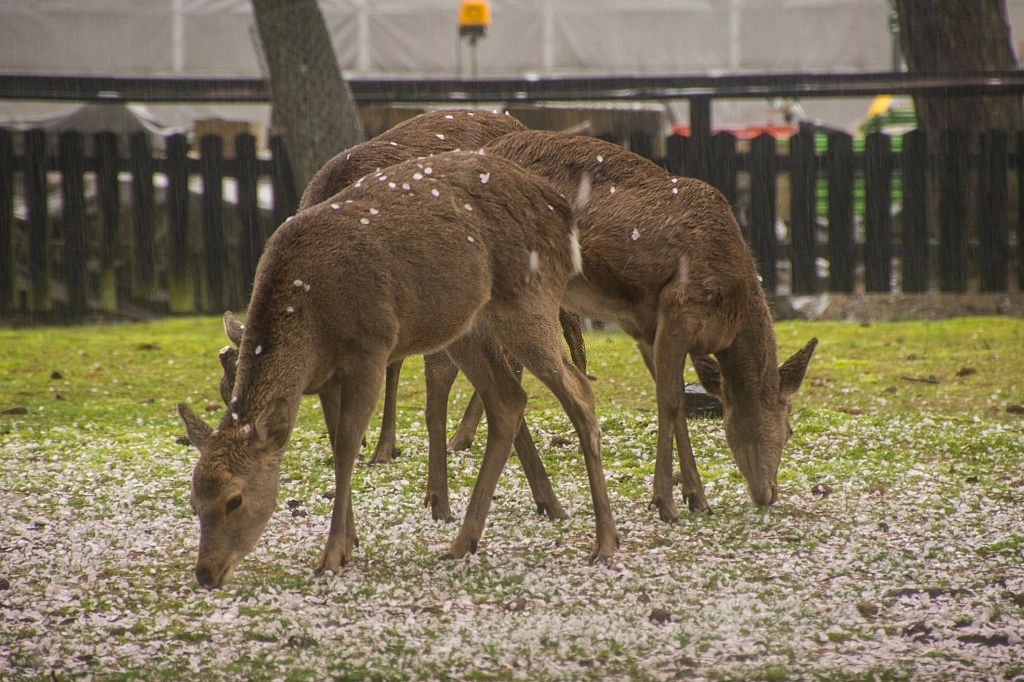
point(415, 37)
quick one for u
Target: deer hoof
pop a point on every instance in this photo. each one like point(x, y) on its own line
point(667, 512)
point(697, 504)
point(600, 559)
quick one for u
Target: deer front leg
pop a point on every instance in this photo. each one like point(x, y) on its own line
point(504, 401)
point(387, 448)
point(537, 475)
point(439, 372)
point(693, 487)
point(354, 409)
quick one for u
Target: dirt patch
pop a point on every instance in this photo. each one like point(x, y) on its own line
point(890, 307)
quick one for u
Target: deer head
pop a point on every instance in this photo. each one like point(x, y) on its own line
point(234, 485)
point(757, 433)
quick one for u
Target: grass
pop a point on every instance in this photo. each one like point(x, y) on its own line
point(895, 551)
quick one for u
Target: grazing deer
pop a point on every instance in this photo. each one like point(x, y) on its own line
point(422, 135)
point(664, 258)
point(466, 252)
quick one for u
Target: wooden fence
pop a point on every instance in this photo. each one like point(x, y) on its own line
point(857, 216)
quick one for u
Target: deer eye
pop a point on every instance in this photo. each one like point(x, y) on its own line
point(233, 504)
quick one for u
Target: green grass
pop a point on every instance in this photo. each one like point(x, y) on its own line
point(902, 489)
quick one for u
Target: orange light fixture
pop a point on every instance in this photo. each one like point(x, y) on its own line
point(474, 18)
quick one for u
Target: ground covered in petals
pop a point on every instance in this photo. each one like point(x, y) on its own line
point(896, 550)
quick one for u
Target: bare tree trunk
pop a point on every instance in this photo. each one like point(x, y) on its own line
point(952, 35)
point(947, 36)
point(312, 102)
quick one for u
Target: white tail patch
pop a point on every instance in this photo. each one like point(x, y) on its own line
point(582, 192)
point(684, 270)
point(576, 254)
point(534, 261)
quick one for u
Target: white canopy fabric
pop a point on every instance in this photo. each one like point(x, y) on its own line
point(207, 38)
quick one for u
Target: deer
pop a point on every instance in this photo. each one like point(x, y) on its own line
point(665, 259)
point(421, 135)
point(468, 253)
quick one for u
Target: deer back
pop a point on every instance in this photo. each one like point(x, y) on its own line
point(422, 135)
point(640, 227)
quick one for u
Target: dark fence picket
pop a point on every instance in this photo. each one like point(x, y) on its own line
point(8, 279)
point(108, 191)
point(1020, 211)
point(73, 221)
point(179, 270)
point(251, 238)
point(675, 154)
point(34, 178)
point(211, 170)
point(877, 213)
point(286, 197)
point(143, 267)
point(914, 245)
point(763, 241)
point(725, 165)
point(803, 179)
point(993, 228)
point(952, 211)
point(842, 254)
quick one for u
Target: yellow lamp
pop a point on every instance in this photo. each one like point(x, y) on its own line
point(474, 18)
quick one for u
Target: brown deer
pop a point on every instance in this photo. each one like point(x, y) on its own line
point(664, 258)
point(422, 135)
point(466, 252)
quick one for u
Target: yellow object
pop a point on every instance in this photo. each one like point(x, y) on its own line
point(879, 105)
point(474, 14)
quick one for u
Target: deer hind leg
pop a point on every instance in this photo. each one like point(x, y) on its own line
point(689, 477)
point(355, 407)
point(439, 372)
point(462, 439)
point(504, 400)
point(387, 448)
point(531, 336)
point(573, 333)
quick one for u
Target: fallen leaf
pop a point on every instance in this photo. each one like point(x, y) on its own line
point(660, 616)
point(867, 609)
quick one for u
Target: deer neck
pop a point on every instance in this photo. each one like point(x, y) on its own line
point(750, 364)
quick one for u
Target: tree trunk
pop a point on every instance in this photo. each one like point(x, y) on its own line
point(312, 103)
point(948, 36)
point(952, 35)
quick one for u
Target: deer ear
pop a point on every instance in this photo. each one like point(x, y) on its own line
point(233, 328)
point(228, 360)
point(791, 373)
point(710, 374)
point(198, 430)
point(274, 424)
